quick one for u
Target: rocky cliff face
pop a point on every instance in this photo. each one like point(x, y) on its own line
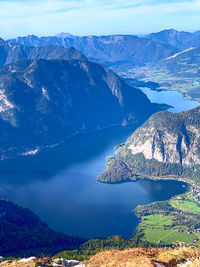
point(166, 144)
point(44, 101)
point(168, 137)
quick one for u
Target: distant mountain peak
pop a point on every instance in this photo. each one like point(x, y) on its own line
point(179, 39)
point(31, 35)
point(169, 30)
point(65, 35)
point(197, 33)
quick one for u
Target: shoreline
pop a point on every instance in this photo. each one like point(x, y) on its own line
point(154, 178)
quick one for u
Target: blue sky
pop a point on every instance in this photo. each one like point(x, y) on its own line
point(85, 17)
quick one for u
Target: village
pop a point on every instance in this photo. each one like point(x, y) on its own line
point(195, 196)
point(196, 193)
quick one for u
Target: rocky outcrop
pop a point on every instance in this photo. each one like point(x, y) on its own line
point(167, 144)
point(134, 257)
point(34, 262)
point(139, 257)
point(168, 137)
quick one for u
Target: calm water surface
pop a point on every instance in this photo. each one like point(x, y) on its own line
point(173, 98)
point(60, 185)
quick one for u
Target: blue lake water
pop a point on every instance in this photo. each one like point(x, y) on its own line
point(173, 98)
point(60, 185)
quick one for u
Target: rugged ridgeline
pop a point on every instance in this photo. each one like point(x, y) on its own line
point(44, 101)
point(179, 72)
point(165, 145)
point(113, 50)
point(179, 39)
point(10, 53)
point(23, 233)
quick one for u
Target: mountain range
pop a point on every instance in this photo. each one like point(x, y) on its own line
point(10, 53)
point(110, 50)
point(50, 92)
point(116, 50)
point(166, 145)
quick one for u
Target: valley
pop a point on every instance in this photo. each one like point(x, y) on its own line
point(64, 114)
point(185, 80)
point(68, 173)
point(179, 72)
point(99, 133)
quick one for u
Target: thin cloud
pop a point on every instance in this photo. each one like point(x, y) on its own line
point(20, 17)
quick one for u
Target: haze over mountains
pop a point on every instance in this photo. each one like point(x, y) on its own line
point(120, 52)
point(110, 50)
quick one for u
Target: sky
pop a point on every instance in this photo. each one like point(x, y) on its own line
point(96, 17)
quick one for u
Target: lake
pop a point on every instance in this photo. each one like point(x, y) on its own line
point(173, 98)
point(60, 185)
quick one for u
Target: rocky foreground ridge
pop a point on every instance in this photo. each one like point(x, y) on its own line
point(166, 144)
point(137, 257)
point(46, 261)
